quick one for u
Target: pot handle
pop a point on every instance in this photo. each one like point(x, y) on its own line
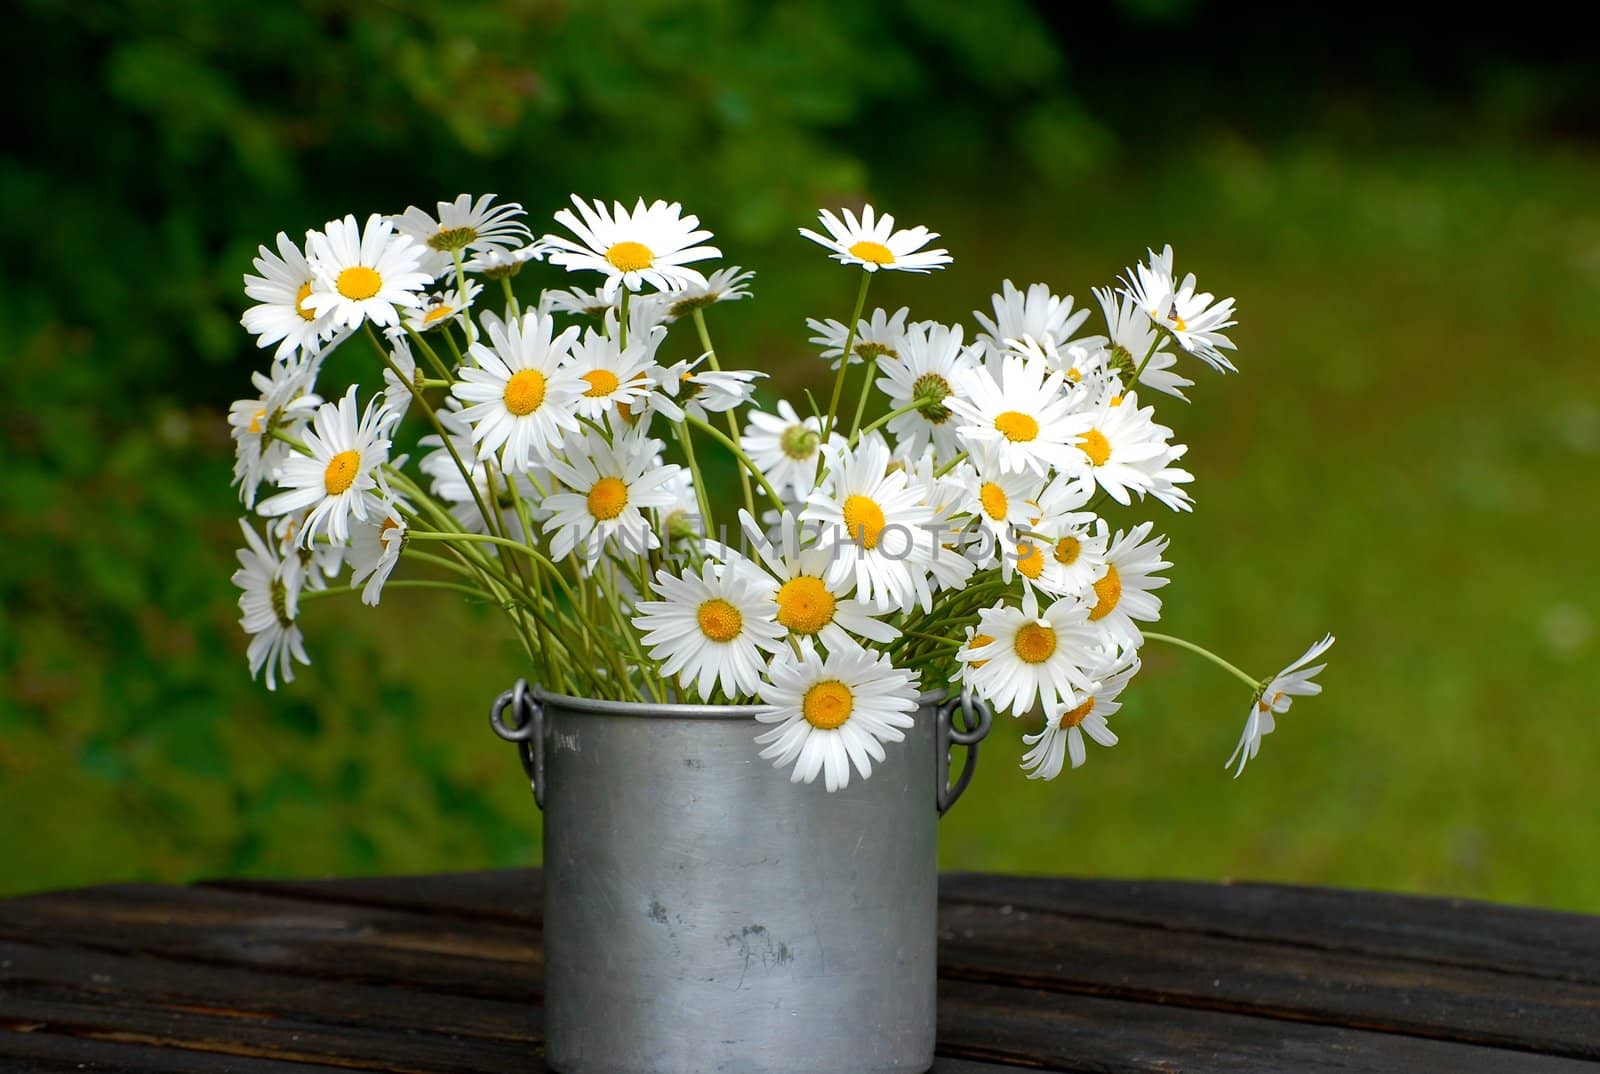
point(976, 716)
point(527, 732)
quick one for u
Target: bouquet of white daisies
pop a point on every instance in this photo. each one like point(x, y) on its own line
point(935, 523)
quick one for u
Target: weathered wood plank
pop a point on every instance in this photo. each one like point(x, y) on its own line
point(37, 1051)
point(289, 936)
point(1091, 1035)
point(509, 895)
point(1461, 932)
point(1091, 957)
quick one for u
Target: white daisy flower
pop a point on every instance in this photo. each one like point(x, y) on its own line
point(1123, 596)
point(320, 561)
point(1274, 700)
point(876, 526)
point(347, 453)
point(1083, 367)
point(612, 376)
point(933, 366)
point(578, 302)
point(1121, 449)
point(463, 226)
point(834, 712)
point(397, 392)
point(285, 404)
point(1132, 336)
point(680, 518)
point(496, 263)
point(442, 307)
point(1001, 502)
point(712, 628)
point(364, 274)
point(611, 485)
point(724, 285)
point(1033, 314)
point(1065, 728)
point(281, 314)
point(808, 604)
point(1022, 416)
point(786, 448)
point(1065, 552)
point(951, 561)
point(684, 388)
point(269, 603)
point(1192, 318)
point(1032, 656)
point(520, 395)
point(874, 243)
point(653, 244)
point(877, 336)
point(375, 548)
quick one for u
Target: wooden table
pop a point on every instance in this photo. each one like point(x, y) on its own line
point(442, 973)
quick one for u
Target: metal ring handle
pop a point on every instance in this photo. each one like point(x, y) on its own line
point(976, 718)
point(527, 734)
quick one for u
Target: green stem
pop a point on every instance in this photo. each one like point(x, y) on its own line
point(461, 293)
point(428, 353)
point(738, 452)
point(844, 359)
point(397, 583)
point(885, 420)
point(687, 443)
point(1155, 345)
point(861, 403)
point(1254, 684)
point(951, 465)
point(298, 445)
point(733, 422)
point(511, 297)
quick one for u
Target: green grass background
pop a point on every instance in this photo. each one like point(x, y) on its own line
point(1407, 457)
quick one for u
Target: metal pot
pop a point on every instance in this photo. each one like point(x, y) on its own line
point(703, 913)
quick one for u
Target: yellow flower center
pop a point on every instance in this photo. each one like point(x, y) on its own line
point(524, 392)
point(341, 472)
point(1035, 643)
point(255, 421)
point(438, 313)
point(1266, 706)
point(1178, 322)
point(1108, 594)
point(1017, 428)
point(827, 705)
point(1075, 717)
point(994, 500)
point(719, 620)
point(1031, 561)
point(1095, 445)
point(300, 297)
point(607, 499)
point(978, 641)
point(358, 282)
point(863, 520)
point(1116, 400)
point(876, 252)
point(630, 256)
point(804, 604)
point(602, 382)
point(1068, 549)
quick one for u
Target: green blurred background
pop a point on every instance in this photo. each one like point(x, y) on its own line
point(1408, 457)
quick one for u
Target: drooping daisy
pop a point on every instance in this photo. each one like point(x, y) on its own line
point(611, 485)
point(520, 396)
point(285, 404)
point(269, 602)
point(724, 285)
point(463, 226)
point(1017, 409)
point(577, 301)
point(1121, 448)
point(712, 628)
point(364, 274)
point(685, 388)
point(1274, 700)
point(833, 712)
point(1082, 366)
point(653, 244)
point(347, 453)
point(1065, 727)
point(320, 561)
point(786, 448)
point(1035, 314)
point(1194, 321)
point(1132, 337)
point(876, 526)
point(281, 314)
point(441, 307)
point(1123, 596)
point(809, 605)
point(1034, 656)
point(874, 243)
point(500, 264)
point(877, 336)
point(933, 367)
point(612, 376)
point(375, 548)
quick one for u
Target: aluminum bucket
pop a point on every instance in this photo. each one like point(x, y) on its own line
point(703, 913)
